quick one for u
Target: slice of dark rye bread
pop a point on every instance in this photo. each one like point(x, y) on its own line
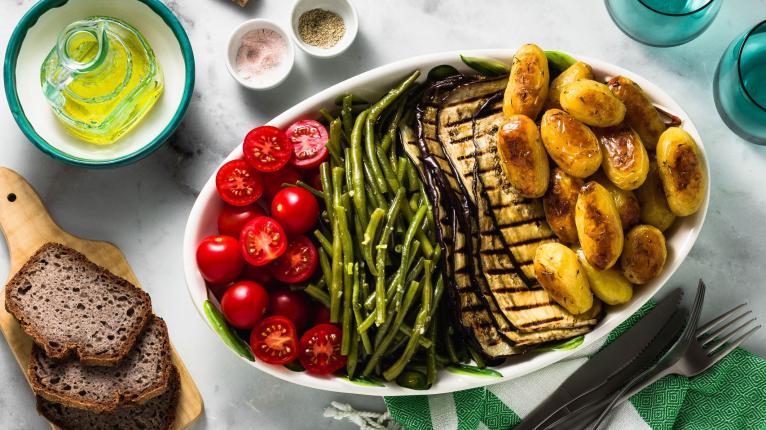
point(142, 375)
point(155, 414)
point(67, 304)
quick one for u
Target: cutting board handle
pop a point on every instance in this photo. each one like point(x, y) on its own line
point(24, 221)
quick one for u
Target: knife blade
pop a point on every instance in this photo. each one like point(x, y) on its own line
point(579, 413)
point(609, 361)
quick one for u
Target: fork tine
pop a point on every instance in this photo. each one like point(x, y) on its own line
point(712, 323)
point(712, 346)
point(715, 358)
point(709, 336)
point(694, 315)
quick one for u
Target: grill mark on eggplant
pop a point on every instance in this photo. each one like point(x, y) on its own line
point(530, 306)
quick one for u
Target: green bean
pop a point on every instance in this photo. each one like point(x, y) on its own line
point(388, 173)
point(392, 95)
point(324, 263)
point(228, 336)
point(333, 143)
point(390, 134)
point(354, 99)
point(326, 115)
point(318, 294)
point(406, 330)
point(369, 236)
point(349, 169)
point(414, 199)
point(380, 286)
point(378, 200)
point(428, 249)
point(325, 177)
point(438, 291)
point(409, 236)
point(420, 326)
point(431, 363)
point(323, 241)
point(348, 258)
point(357, 166)
point(477, 358)
point(413, 182)
point(357, 308)
point(371, 156)
point(336, 290)
point(345, 113)
point(401, 169)
point(300, 184)
point(388, 335)
point(353, 354)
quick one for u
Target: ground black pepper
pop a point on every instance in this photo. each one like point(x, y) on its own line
point(321, 28)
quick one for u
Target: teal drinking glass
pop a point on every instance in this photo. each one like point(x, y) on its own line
point(739, 87)
point(663, 22)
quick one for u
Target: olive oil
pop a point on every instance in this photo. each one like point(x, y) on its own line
point(101, 79)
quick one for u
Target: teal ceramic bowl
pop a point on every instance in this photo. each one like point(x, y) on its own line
point(34, 37)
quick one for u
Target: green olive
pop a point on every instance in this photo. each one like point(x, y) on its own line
point(412, 379)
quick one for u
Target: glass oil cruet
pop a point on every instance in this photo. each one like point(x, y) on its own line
point(101, 79)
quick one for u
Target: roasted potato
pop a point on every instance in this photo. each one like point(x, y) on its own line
point(626, 161)
point(559, 272)
point(573, 73)
point(640, 114)
point(527, 87)
point(522, 156)
point(654, 205)
point(625, 200)
point(559, 204)
point(598, 226)
point(609, 285)
point(682, 171)
point(644, 255)
point(570, 143)
point(591, 102)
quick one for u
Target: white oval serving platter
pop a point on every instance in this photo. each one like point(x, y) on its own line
point(371, 84)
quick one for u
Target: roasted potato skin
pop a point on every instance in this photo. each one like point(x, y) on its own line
point(625, 200)
point(654, 205)
point(573, 73)
point(559, 204)
point(626, 161)
point(610, 286)
point(644, 255)
point(591, 102)
point(563, 278)
point(527, 87)
point(522, 156)
point(599, 228)
point(571, 144)
point(640, 113)
point(682, 171)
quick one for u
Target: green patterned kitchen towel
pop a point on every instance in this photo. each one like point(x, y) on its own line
point(731, 395)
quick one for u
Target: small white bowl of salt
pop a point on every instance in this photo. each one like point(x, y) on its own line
point(260, 55)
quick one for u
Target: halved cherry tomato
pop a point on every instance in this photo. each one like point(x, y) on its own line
point(308, 138)
point(238, 184)
point(262, 240)
point(295, 209)
point(320, 349)
point(267, 149)
point(219, 259)
point(233, 218)
point(272, 182)
point(274, 340)
point(298, 263)
point(290, 304)
point(244, 303)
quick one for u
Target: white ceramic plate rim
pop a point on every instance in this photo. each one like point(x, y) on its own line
point(680, 238)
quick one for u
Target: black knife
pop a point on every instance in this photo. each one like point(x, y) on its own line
point(578, 414)
point(608, 362)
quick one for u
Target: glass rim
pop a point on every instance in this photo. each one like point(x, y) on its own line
point(677, 14)
point(739, 64)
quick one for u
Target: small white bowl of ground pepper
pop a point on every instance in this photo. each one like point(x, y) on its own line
point(259, 55)
point(324, 28)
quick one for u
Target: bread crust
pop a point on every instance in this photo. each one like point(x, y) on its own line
point(174, 385)
point(121, 396)
point(67, 349)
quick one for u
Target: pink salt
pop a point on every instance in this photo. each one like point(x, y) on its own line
point(260, 52)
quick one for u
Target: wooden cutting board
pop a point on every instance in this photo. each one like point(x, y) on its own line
point(26, 225)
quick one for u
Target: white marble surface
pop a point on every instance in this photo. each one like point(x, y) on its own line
point(143, 208)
